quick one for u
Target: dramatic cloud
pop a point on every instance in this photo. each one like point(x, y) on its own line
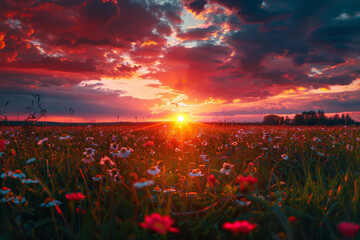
point(133, 57)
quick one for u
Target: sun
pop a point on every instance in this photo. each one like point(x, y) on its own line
point(180, 118)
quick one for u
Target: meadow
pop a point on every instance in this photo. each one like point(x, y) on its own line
point(180, 181)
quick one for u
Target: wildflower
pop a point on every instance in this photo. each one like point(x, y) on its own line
point(89, 152)
point(285, 157)
point(149, 144)
point(247, 183)
point(50, 202)
point(169, 190)
point(191, 194)
point(212, 180)
point(159, 224)
point(6, 174)
point(153, 171)
point(115, 175)
point(97, 178)
point(42, 141)
point(8, 197)
point(18, 200)
point(143, 182)
point(157, 189)
point(29, 181)
point(88, 159)
point(125, 152)
point(18, 174)
point(226, 169)
point(292, 219)
point(30, 160)
point(196, 173)
point(2, 145)
point(75, 196)
point(5, 190)
point(244, 227)
point(107, 161)
point(64, 137)
point(348, 229)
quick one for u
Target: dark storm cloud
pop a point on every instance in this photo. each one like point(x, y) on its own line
point(196, 6)
point(197, 33)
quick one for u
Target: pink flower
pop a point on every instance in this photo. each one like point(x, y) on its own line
point(159, 224)
point(237, 227)
point(75, 196)
point(348, 229)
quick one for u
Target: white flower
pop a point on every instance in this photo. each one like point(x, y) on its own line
point(18, 200)
point(285, 157)
point(124, 152)
point(6, 174)
point(153, 171)
point(196, 173)
point(29, 181)
point(89, 152)
point(5, 190)
point(226, 169)
point(18, 174)
point(97, 178)
point(50, 202)
point(143, 183)
point(64, 137)
point(88, 159)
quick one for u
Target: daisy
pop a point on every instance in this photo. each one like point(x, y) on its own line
point(64, 137)
point(125, 152)
point(285, 157)
point(143, 182)
point(8, 197)
point(107, 161)
point(196, 173)
point(50, 202)
point(89, 152)
point(18, 200)
point(29, 181)
point(153, 171)
point(88, 159)
point(97, 178)
point(157, 189)
point(18, 174)
point(5, 190)
point(6, 174)
point(226, 169)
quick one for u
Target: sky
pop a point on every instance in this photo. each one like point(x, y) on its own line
point(151, 60)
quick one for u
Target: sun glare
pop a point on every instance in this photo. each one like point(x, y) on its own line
point(180, 118)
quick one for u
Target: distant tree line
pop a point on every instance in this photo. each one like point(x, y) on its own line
point(309, 118)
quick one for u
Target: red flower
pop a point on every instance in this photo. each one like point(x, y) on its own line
point(348, 229)
point(158, 223)
point(292, 219)
point(149, 144)
point(247, 183)
point(2, 145)
point(212, 180)
point(237, 227)
point(75, 196)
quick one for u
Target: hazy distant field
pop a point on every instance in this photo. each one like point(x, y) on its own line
point(100, 182)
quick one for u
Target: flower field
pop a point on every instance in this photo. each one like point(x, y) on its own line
point(180, 181)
